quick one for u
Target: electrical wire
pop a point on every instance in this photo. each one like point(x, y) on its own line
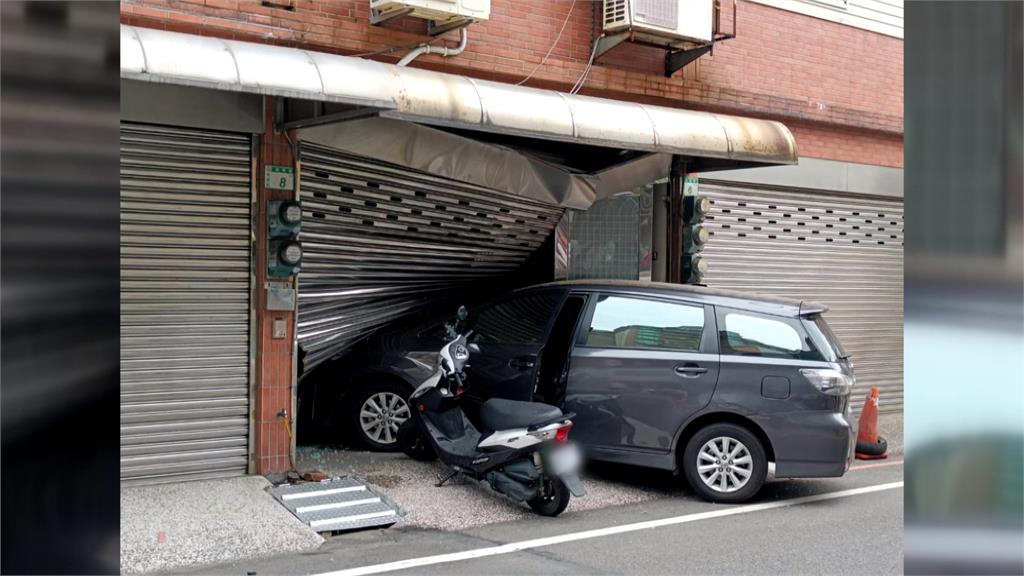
point(586, 72)
point(552, 48)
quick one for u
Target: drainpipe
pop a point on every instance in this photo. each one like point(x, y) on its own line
point(442, 50)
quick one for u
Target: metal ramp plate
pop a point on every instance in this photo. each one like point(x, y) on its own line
point(335, 505)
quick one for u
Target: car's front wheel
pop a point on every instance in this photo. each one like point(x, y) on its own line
point(375, 413)
point(725, 463)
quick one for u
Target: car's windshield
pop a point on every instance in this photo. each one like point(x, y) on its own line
point(824, 339)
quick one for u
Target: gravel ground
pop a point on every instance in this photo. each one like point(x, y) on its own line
point(191, 524)
point(462, 503)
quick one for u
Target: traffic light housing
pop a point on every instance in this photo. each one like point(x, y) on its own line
point(284, 251)
point(695, 236)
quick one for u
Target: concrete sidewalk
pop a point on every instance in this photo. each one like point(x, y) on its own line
point(192, 524)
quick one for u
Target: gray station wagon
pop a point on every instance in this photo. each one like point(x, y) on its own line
point(715, 384)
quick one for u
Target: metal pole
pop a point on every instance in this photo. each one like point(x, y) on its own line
point(676, 181)
point(659, 232)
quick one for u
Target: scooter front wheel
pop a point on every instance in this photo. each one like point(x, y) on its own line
point(413, 444)
point(553, 498)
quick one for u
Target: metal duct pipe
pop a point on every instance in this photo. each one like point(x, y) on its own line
point(442, 50)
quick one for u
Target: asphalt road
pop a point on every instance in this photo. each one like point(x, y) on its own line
point(833, 534)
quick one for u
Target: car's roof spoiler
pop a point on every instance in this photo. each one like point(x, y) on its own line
point(811, 308)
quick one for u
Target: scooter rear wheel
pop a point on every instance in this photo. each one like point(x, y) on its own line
point(411, 441)
point(553, 499)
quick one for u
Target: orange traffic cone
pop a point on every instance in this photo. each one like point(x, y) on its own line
point(870, 446)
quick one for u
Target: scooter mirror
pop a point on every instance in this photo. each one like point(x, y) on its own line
point(462, 313)
point(474, 347)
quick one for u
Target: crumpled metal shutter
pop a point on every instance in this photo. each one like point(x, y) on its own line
point(185, 268)
point(379, 240)
point(843, 251)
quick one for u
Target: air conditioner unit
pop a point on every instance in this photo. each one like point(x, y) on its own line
point(660, 20)
point(440, 11)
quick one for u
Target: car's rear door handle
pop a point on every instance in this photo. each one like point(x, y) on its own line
point(690, 370)
point(522, 362)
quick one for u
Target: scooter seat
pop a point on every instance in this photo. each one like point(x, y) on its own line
point(500, 414)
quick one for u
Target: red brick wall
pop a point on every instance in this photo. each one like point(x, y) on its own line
point(274, 355)
point(842, 85)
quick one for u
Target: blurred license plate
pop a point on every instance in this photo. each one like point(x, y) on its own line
point(564, 459)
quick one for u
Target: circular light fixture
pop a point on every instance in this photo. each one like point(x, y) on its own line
point(700, 265)
point(290, 253)
point(699, 235)
point(290, 213)
point(702, 205)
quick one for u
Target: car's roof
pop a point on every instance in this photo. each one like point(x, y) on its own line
point(732, 298)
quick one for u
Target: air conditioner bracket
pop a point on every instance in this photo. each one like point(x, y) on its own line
point(605, 43)
point(377, 17)
point(435, 29)
point(677, 60)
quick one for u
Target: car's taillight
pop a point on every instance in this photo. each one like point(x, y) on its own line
point(829, 381)
point(562, 435)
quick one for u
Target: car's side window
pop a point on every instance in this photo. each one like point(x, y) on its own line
point(749, 334)
point(625, 322)
point(521, 319)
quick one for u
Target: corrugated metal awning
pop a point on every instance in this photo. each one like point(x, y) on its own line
point(448, 100)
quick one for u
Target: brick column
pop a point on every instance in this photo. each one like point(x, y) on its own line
point(273, 355)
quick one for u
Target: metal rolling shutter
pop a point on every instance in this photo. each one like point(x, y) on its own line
point(185, 269)
point(843, 251)
point(379, 240)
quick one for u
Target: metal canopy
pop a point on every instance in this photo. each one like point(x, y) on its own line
point(452, 101)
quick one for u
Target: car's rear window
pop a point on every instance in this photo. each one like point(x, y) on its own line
point(824, 339)
point(750, 334)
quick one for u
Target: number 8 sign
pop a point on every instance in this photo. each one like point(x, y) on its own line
point(279, 178)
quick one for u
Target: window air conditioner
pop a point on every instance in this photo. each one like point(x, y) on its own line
point(661, 20)
point(440, 11)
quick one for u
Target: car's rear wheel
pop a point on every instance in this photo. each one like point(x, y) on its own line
point(375, 413)
point(725, 463)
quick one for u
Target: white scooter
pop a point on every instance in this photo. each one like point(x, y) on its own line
point(523, 451)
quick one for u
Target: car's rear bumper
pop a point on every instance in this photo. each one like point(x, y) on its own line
point(810, 444)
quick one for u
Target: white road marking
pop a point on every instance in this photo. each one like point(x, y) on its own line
point(600, 532)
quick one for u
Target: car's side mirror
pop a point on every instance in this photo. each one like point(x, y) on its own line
point(474, 348)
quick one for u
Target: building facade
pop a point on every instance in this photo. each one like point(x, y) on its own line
point(212, 345)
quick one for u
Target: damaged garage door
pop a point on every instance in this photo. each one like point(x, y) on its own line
point(380, 240)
